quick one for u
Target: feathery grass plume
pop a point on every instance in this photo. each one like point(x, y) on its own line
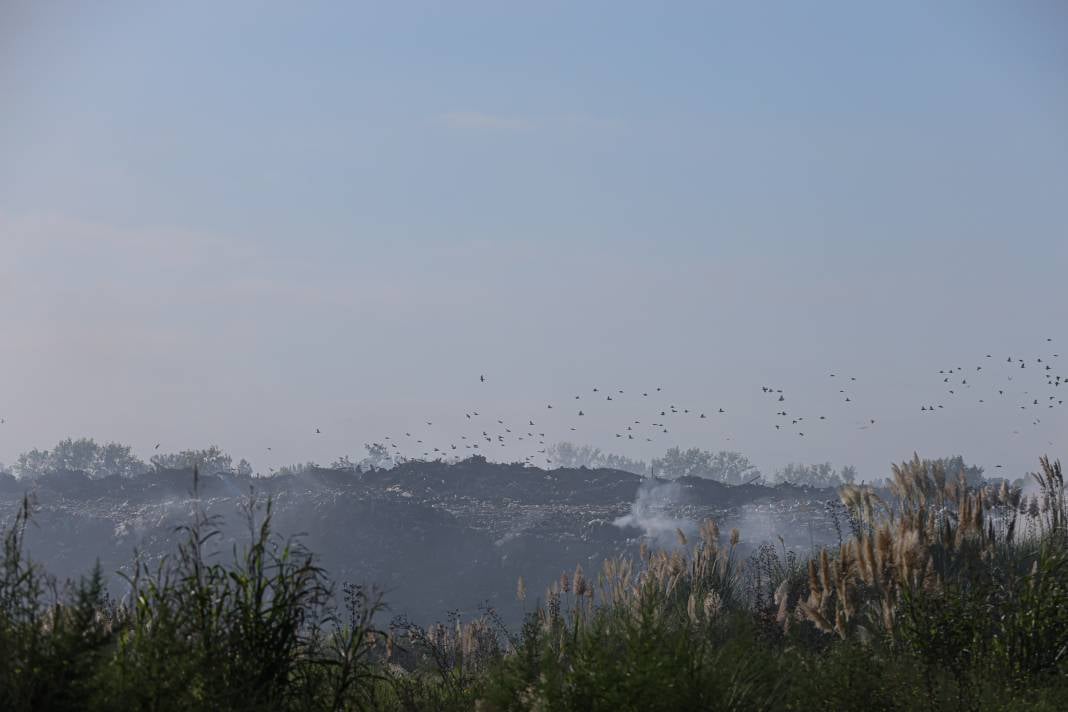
point(681, 536)
point(843, 583)
point(871, 563)
point(713, 604)
point(1054, 503)
point(580, 582)
point(884, 542)
point(521, 590)
point(813, 613)
point(939, 544)
point(825, 571)
point(862, 504)
point(710, 533)
point(782, 602)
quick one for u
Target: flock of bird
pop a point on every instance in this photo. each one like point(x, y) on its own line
point(1027, 385)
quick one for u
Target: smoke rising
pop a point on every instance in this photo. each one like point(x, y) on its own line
point(654, 511)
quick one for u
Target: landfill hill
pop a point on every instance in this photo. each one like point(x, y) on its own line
point(436, 537)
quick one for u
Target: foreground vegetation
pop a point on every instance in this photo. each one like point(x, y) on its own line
point(946, 596)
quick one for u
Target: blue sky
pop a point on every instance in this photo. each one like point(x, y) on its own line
point(237, 224)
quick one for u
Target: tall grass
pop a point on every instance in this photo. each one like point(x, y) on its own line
point(256, 632)
point(942, 597)
point(938, 596)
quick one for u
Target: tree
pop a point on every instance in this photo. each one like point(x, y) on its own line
point(117, 459)
point(31, 464)
point(613, 461)
point(571, 456)
point(208, 461)
point(733, 468)
point(378, 456)
point(819, 475)
point(296, 469)
point(725, 466)
point(82, 455)
point(682, 463)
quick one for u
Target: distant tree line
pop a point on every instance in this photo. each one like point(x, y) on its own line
point(211, 461)
point(570, 455)
point(819, 475)
point(84, 455)
point(734, 468)
point(115, 459)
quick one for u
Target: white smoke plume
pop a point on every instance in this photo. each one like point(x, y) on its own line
point(653, 512)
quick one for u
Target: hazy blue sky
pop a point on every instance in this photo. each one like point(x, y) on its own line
point(235, 223)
